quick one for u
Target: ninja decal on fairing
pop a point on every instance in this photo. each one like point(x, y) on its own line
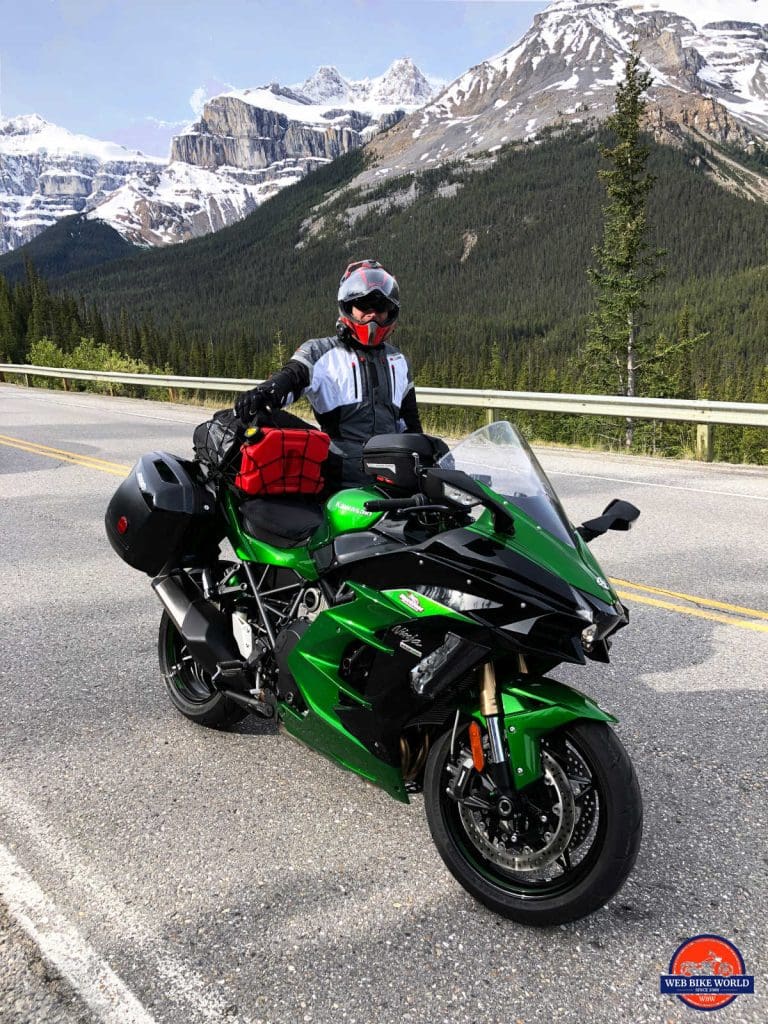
point(409, 642)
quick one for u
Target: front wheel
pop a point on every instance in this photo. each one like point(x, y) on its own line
point(571, 847)
point(189, 686)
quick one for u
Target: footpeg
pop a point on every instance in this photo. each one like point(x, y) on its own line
point(230, 674)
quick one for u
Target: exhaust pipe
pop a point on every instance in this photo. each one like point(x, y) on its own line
point(205, 629)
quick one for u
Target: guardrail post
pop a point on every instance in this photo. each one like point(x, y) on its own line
point(490, 416)
point(704, 441)
point(26, 380)
point(171, 395)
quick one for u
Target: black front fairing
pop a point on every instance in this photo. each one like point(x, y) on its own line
point(526, 607)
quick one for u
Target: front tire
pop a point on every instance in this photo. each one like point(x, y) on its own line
point(577, 860)
point(189, 686)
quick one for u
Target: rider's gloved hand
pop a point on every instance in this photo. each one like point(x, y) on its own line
point(252, 402)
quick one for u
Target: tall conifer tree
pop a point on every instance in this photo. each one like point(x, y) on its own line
point(625, 266)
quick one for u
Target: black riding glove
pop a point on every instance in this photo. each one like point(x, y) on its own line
point(251, 403)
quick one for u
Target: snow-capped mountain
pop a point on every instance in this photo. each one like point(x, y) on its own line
point(249, 143)
point(402, 84)
point(708, 58)
point(246, 145)
point(47, 173)
point(180, 201)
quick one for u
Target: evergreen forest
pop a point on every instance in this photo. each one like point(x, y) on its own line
point(492, 256)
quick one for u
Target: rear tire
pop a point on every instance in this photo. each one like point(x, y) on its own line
point(603, 829)
point(188, 684)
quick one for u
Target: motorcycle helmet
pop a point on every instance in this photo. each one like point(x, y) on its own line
point(368, 287)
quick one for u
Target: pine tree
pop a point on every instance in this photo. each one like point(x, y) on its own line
point(36, 320)
point(279, 354)
point(625, 266)
point(7, 333)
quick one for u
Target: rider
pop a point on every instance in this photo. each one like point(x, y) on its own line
point(357, 383)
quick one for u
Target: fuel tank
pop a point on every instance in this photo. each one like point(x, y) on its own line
point(345, 513)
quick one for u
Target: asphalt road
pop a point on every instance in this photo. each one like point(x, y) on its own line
point(237, 877)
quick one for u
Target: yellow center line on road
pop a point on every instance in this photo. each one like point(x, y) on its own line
point(758, 627)
point(637, 590)
point(90, 461)
point(704, 602)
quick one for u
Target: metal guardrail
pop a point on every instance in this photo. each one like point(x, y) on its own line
point(703, 413)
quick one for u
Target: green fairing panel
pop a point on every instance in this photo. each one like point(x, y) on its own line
point(314, 663)
point(576, 565)
point(249, 549)
point(533, 706)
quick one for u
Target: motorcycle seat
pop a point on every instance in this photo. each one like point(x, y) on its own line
point(283, 522)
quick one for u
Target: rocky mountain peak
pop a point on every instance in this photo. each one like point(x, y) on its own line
point(402, 82)
point(24, 124)
point(326, 85)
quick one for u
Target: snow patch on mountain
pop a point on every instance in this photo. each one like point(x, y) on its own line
point(183, 201)
point(32, 135)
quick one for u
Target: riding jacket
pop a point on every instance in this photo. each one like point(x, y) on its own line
point(355, 392)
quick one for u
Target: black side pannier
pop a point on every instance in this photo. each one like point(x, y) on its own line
point(395, 459)
point(157, 511)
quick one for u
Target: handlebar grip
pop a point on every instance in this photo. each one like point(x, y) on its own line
point(393, 504)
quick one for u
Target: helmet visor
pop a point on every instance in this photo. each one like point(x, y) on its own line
point(374, 303)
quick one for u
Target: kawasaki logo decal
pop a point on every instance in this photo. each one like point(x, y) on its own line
point(342, 507)
point(411, 601)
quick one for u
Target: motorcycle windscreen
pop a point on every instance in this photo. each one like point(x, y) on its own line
point(499, 457)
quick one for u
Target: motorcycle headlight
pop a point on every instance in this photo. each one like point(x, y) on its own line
point(589, 635)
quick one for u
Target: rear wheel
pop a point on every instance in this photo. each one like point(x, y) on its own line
point(189, 686)
point(572, 848)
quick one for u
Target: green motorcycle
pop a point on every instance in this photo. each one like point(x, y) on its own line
point(406, 630)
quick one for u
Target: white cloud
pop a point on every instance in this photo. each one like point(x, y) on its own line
point(210, 87)
point(197, 100)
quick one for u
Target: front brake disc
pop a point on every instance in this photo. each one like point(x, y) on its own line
point(525, 858)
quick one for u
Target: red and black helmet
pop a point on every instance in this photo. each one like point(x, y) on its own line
point(368, 287)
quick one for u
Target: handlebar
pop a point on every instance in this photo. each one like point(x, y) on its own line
point(395, 504)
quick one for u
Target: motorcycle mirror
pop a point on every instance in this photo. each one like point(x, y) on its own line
point(617, 515)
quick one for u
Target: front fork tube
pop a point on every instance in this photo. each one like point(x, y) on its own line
point(498, 761)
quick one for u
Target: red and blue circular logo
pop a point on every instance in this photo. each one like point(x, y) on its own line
point(707, 972)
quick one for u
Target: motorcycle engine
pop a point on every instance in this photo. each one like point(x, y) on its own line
point(285, 641)
point(312, 603)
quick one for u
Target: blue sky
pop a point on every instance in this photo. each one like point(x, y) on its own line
point(107, 68)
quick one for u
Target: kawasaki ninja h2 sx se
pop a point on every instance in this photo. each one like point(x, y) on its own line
point(406, 630)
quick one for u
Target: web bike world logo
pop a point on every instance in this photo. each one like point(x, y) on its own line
point(707, 972)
